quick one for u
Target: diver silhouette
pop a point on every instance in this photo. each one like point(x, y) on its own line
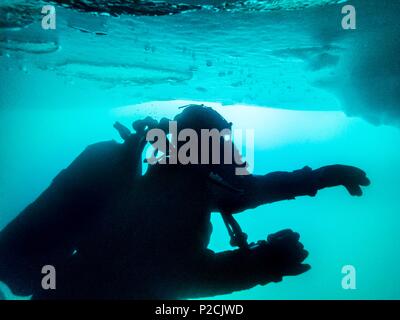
point(113, 233)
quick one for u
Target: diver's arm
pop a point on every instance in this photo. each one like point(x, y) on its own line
point(250, 191)
point(134, 144)
point(269, 261)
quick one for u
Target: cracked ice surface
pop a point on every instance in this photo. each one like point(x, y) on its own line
point(282, 54)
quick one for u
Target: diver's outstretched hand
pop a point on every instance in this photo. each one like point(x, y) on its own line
point(349, 177)
point(283, 255)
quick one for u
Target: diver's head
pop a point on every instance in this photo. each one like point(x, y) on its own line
point(213, 132)
point(199, 117)
point(198, 137)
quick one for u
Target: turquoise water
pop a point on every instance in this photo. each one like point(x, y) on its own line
point(313, 93)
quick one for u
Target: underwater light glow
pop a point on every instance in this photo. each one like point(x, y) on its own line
point(273, 127)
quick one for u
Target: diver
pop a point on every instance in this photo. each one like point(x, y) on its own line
point(113, 233)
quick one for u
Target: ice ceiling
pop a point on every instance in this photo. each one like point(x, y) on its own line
point(282, 54)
